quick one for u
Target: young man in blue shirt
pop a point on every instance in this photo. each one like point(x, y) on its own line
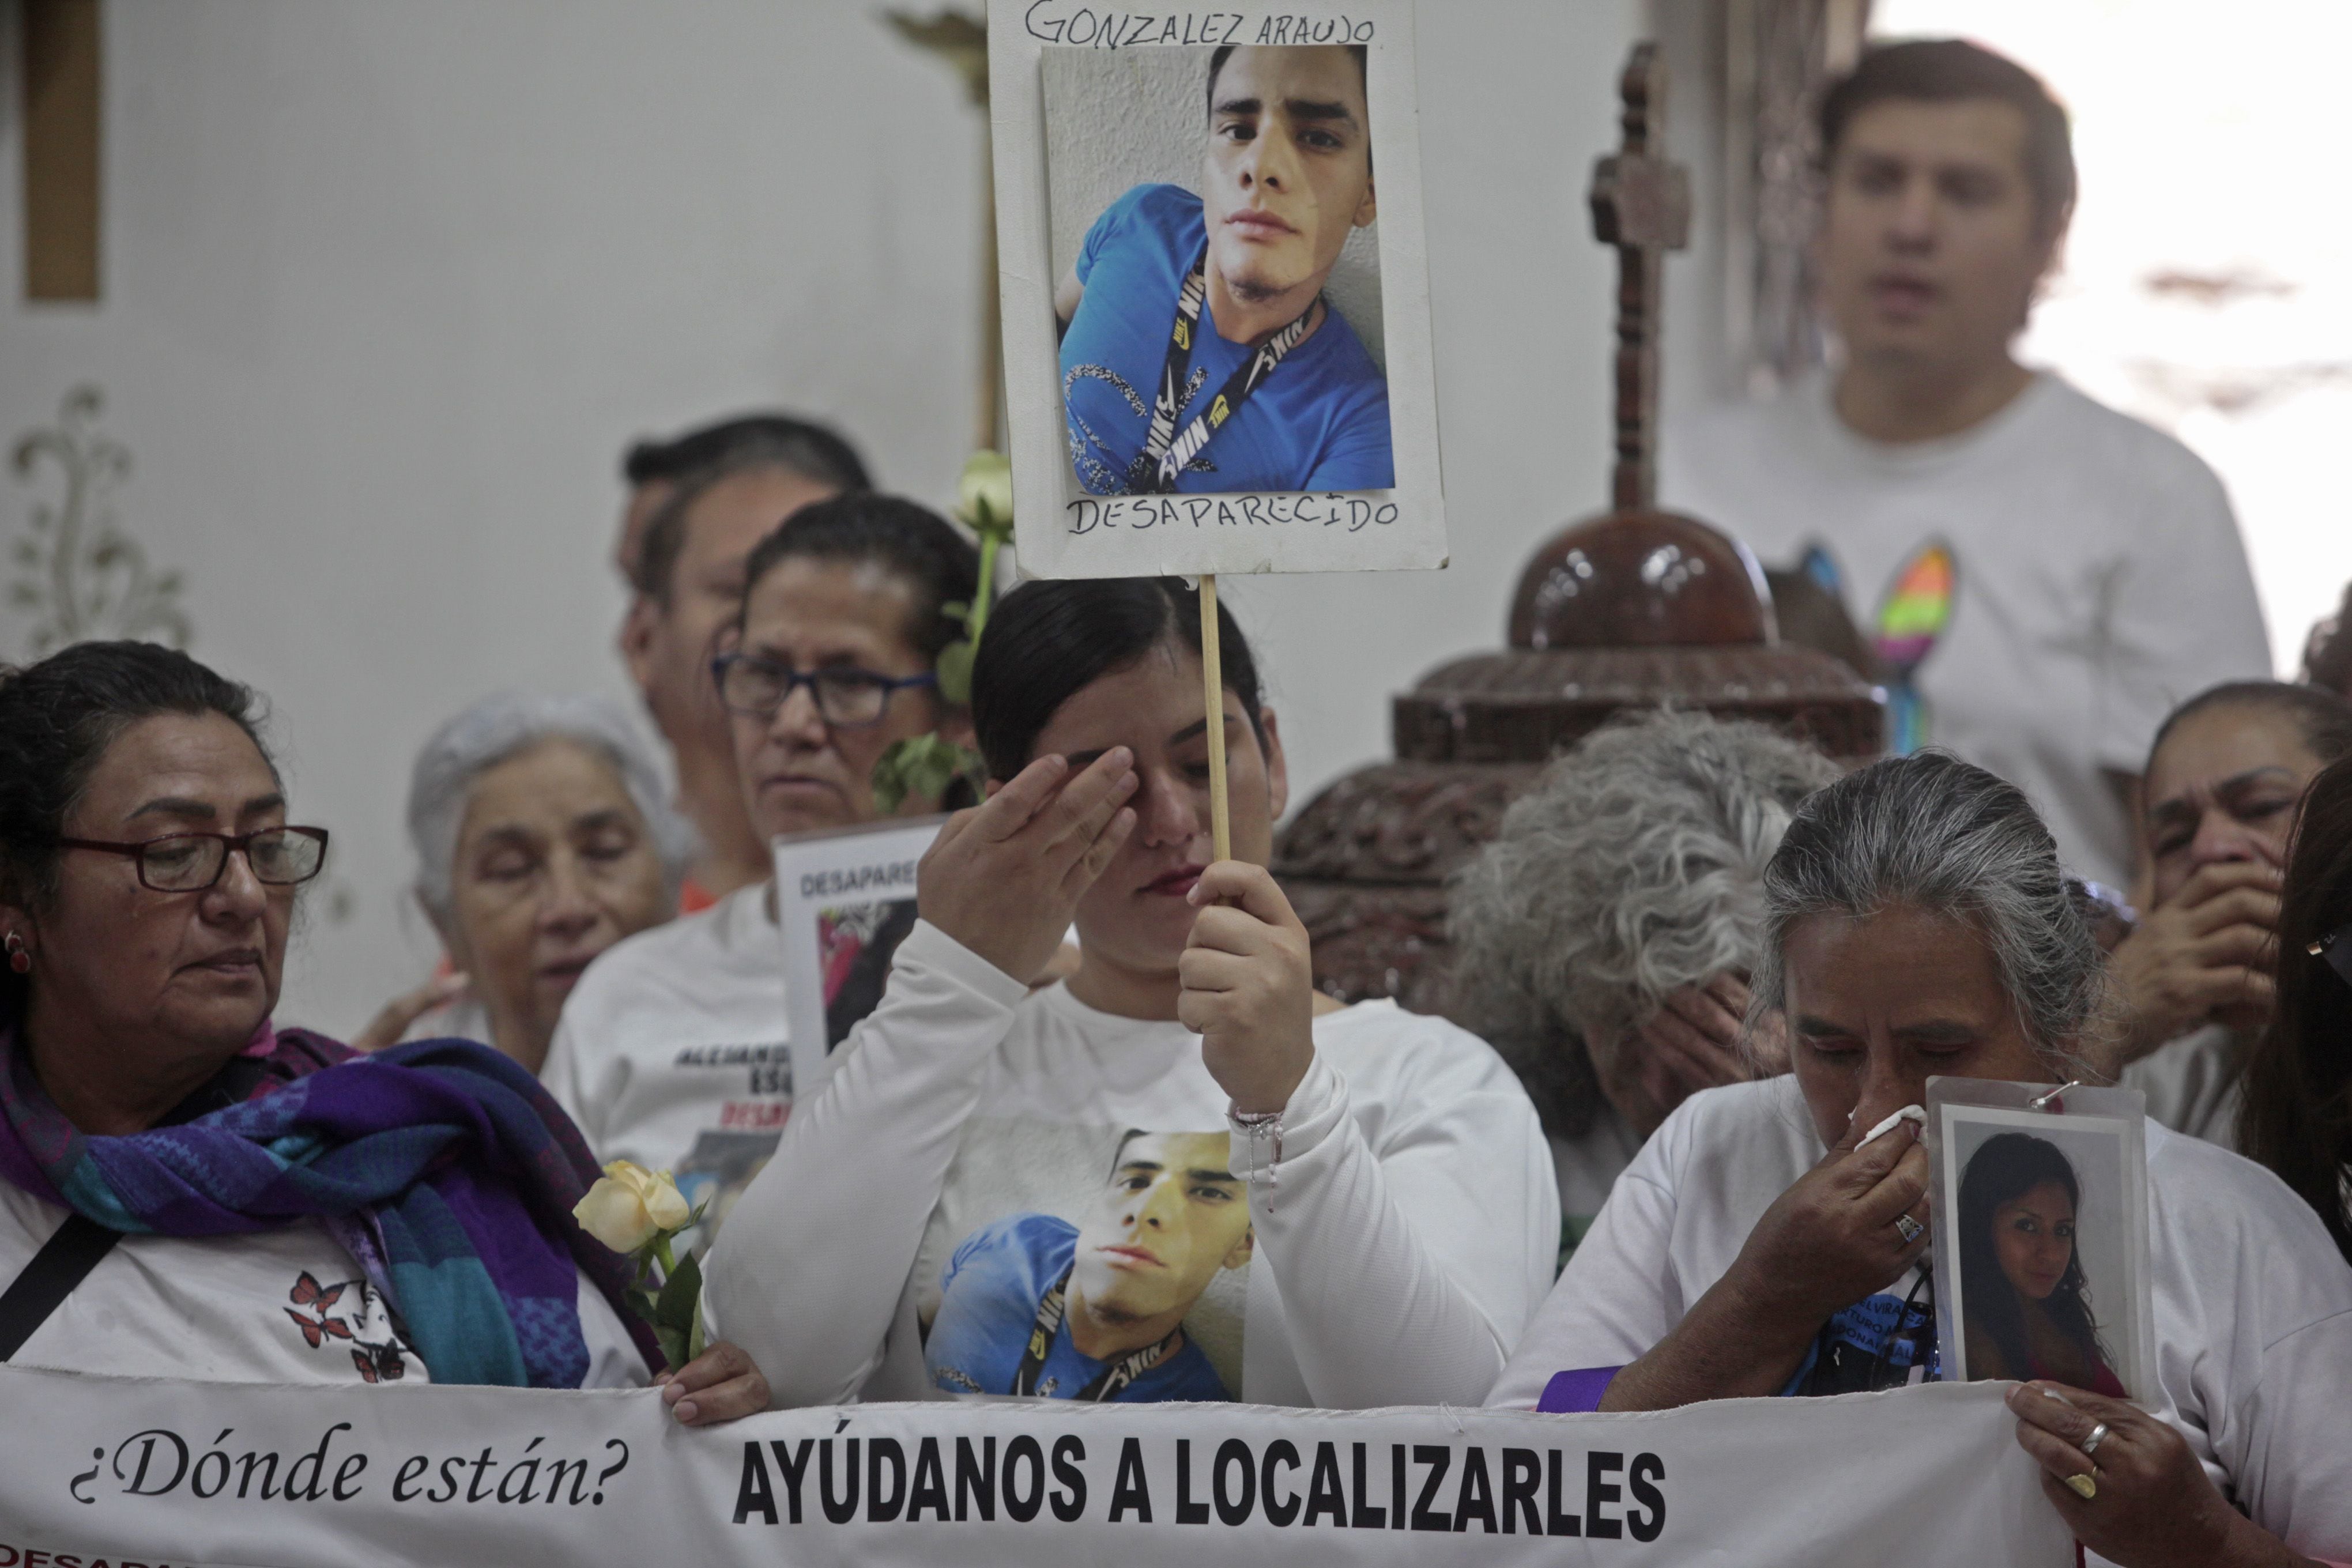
point(1034, 1305)
point(1198, 352)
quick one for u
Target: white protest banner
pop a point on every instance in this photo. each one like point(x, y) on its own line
point(1217, 344)
point(845, 901)
point(146, 1473)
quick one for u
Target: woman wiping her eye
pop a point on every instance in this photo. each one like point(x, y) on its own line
point(997, 1193)
point(1918, 923)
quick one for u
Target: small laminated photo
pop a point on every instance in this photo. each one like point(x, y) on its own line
point(2041, 1236)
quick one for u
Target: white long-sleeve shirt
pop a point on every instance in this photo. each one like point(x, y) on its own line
point(973, 1134)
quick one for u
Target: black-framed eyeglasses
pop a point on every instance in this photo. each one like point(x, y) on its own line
point(846, 698)
point(191, 862)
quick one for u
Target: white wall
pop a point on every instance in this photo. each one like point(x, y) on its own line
point(388, 287)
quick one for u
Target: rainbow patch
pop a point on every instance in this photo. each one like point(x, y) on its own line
point(1915, 613)
point(1917, 607)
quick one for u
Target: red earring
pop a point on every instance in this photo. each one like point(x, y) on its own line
point(18, 959)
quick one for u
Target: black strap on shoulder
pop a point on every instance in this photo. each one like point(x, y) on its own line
point(63, 1262)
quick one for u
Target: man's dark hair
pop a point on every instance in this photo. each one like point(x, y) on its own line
point(804, 449)
point(819, 453)
point(57, 720)
point(1049, 640)
point(1947, 71)
point(2327, 656)
point(1225, 52)
point(914, 544)
point(2323, 719)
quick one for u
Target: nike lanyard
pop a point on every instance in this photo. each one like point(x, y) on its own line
point(1165, 452)
point(1110, 1380)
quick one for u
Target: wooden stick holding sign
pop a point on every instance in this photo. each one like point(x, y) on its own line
point(1212, 689)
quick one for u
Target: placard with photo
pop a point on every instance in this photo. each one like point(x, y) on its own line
point(845, 901)
point(1214, 291)
point(2040, 1212)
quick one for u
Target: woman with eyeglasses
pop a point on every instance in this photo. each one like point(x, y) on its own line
point(187, 1190)
point(2298, 1113)
point(672, 1050)
point(1770, 1238)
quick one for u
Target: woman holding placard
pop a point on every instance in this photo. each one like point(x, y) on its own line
point(1769, 1237)
point(1180, 1175)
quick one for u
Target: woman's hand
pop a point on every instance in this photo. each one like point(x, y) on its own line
point(722, 1384)
point(2152, 1506)
point(1831, 1239)
point(1004, 877)
point(1826, 1243)
point(1693, 1042)
point(1248, 986)
point(2203, 954)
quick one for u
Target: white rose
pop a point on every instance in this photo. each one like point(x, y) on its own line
point(985, 494)
point(666, 1205)
point(629, 1206)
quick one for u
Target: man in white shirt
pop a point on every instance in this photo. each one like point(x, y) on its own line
point(721, 491)
point(2043, 578)
point(672, 1049)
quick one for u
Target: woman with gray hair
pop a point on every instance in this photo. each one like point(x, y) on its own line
point(1607, 933)
point(1770, 1239)
point(541, 839)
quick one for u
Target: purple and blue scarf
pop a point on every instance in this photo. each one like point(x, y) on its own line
point(442, 1166)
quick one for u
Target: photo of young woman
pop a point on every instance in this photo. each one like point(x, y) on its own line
point(2027, 1309)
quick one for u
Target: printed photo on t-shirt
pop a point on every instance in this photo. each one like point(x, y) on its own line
point(1090, 1263)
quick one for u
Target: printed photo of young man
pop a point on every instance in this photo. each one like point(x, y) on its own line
point(1199, 353)
point(1034, 1305)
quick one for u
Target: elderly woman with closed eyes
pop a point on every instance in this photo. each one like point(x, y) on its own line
point(295, 1211)
point(1769, 1238)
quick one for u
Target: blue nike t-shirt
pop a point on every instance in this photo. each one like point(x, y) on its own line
point(988, 1307)
point(1321, 422)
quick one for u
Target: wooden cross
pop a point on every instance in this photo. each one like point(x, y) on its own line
point(1641, 205)
point(59, 96)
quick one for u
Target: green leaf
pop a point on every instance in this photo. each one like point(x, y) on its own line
point(641, 1302)
point(955, 671)
point(679, 1293)
point(925, 766)
point(673, 1347)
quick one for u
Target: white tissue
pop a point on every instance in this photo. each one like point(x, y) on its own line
point(1914, 1114)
